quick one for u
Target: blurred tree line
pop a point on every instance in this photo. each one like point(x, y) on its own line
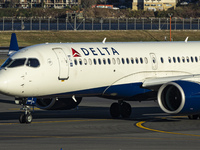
point(192, 10)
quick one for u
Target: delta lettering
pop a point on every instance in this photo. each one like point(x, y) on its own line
point(99, 51)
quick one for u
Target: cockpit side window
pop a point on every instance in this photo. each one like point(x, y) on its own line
point(17, 63)
point(33, 62)
point(6, 63)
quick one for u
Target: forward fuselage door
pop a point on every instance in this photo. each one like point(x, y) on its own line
point(63, 63)
point(154, 61)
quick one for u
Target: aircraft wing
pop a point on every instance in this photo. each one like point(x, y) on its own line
point(150, 82)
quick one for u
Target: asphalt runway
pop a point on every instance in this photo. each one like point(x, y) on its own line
point(91, 127)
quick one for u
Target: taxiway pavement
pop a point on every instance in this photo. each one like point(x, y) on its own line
point(91, 127)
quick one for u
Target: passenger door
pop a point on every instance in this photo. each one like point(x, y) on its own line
point(154, 61)
point(63, 64)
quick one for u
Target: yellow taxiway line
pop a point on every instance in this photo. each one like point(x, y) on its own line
point(141, 125)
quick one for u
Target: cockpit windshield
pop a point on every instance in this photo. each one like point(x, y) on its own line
point(17, 63)
point(33, 62)
point(30, 62)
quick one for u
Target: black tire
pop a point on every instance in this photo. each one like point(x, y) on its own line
point(115, 110)
point(22, 118)
point(126, 110)
point(193, 117)
point(28, 118)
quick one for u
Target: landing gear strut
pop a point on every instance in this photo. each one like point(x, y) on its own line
point(26, 117)
point(121, 108)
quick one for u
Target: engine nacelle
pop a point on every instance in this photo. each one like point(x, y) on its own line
point(180, 97)
point(57, 104)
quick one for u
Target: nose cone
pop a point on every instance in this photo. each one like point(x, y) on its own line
point(11, 82)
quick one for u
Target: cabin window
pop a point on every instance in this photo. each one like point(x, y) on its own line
point(192, 59)
point(75, 62)
point(183, 59)
point(123, 61)
point(104, 61)
point(178, 59)
point(196, 59)
point(169, 59)
point(132, 60)
point(99, 60)
point(90, 61)
point(146, 60)
point(109, 61)
point(161, 59)
point(33, 62)
point(95, 62)
point(17, 63)
point(114, 61)
point(85, 61)
point(141, 60)
point(187, 58)
point(80, 61)
point(136, 60)
point(174, 59)
point(127, 60)
point(118, 61)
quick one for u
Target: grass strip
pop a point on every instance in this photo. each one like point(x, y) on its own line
point(26, 38)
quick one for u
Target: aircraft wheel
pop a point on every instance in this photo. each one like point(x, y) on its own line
point(193, 117)
point(28, 118)
point(126, 110)
point(115, 110)
point(22, 118)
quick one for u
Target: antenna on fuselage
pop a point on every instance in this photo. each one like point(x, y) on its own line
point(186, 39)
point(104, 40)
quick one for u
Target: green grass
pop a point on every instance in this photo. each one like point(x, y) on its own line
point(2, 61)
point(26, 38)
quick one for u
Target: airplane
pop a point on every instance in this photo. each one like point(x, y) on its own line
point(56, 76)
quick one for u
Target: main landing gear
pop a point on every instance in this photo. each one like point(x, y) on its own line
point(121, 108)
point(26, 117)
point(194, 117)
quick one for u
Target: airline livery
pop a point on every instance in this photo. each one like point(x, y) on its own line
point(58, 75)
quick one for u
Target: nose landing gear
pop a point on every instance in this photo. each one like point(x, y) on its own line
point(121, 108)
point(26, 117)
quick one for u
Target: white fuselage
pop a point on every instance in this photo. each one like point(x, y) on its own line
point(97, 69)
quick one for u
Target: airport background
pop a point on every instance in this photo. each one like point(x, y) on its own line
point(99, 8)
point(98, 15)
point(27, 24)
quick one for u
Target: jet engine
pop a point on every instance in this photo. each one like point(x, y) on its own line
point(57, 103)
point(180, 97)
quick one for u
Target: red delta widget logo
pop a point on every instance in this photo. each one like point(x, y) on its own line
point(95, 51)
point(75, 53)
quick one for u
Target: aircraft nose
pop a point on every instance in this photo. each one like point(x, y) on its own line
point(3, 85)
